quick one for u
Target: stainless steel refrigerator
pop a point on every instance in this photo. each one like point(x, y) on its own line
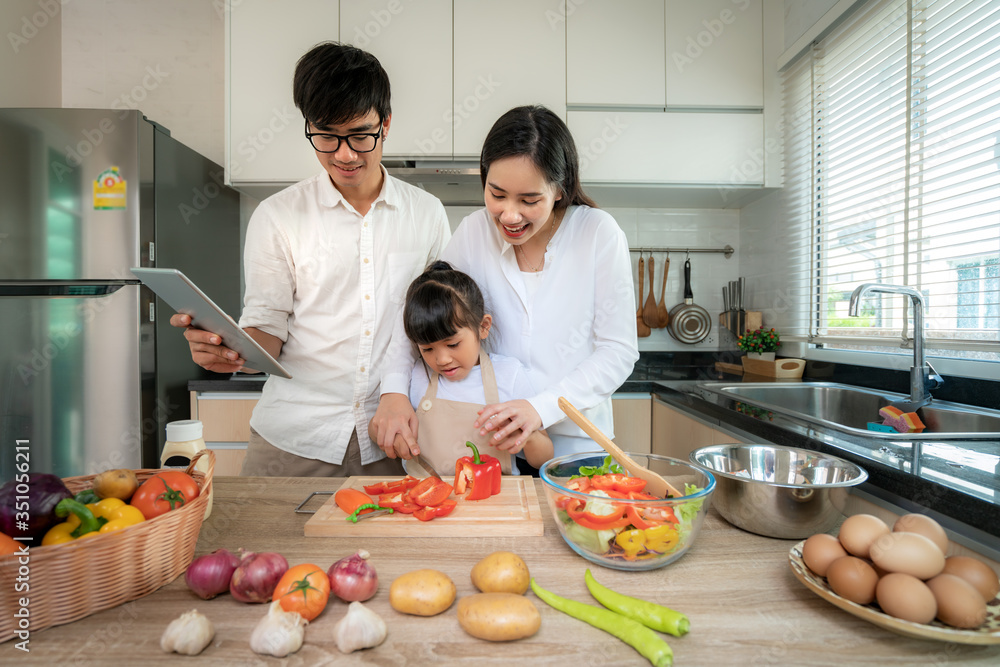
point(90, 369)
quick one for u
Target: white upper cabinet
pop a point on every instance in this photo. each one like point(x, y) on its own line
point(721, 149)
point(413, 43)
point(616, 54)
point(507, 54)
point(715, 53)
point(266, 143)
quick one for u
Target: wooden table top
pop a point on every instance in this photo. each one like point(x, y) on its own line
point(745, 605)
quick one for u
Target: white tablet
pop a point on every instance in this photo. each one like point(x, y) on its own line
point(184, 296)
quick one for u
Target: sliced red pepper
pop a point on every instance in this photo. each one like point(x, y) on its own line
point(618, 482)
point(659, 515)
point(392, 486)
point(398, 501)
point(435, 511)
point(481, 474)
point(581, 484)
point(594, 521)
point(633, 517)
point(430, 491)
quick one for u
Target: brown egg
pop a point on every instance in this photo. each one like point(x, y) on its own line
point(976, 572)
point(821, 550)
point(922, 525)
point(906, 597)
point(860, 531)
point(852, 579)
point(959, 604)
point(909, 553)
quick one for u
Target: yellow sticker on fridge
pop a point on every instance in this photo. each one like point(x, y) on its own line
point(109, 190)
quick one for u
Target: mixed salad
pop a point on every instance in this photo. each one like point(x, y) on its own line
point(631, 531)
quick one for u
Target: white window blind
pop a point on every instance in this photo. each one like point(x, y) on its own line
point(892, 144)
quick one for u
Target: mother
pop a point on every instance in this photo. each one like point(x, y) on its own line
point(556, 272)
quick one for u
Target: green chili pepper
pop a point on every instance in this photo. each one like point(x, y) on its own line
point(648, 613)
point(635, 634)
point(353, 516)
point(88, 522)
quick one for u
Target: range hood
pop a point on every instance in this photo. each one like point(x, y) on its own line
point(455, 183)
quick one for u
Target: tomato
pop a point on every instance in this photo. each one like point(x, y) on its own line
point(399, 502)
point(581, 484)
point(434, 511)
point(163, 492)
point(430, 491)
point(393, 486)
point(304, 589)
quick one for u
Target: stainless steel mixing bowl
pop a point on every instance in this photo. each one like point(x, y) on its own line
point(776, 491)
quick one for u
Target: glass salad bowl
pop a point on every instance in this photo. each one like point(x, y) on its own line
point(606, 517)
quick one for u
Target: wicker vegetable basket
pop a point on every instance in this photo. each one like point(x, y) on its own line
point(63, 583)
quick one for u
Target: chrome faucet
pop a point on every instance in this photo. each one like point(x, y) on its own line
point(923, 377)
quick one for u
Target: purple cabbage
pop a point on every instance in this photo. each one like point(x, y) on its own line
point(43, 491)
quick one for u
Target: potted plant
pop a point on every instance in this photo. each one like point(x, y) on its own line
point(760, 344)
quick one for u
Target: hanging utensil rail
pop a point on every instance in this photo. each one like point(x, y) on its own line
point(727, 251)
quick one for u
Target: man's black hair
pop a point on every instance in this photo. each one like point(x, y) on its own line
point(336, 83)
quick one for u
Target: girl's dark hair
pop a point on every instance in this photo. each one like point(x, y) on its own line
point(540, 135)
point(439, 302)
point(336, 83)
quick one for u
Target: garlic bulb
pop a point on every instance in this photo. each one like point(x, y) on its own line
point(360, 628)
point(279, 633)
point(188, 634)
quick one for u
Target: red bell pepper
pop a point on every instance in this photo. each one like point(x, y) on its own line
point(398, 501)
point(435, 511)
point(595, 521)
point(391, 486)
point(481, 474)
point(429, 492)
point(618, 482)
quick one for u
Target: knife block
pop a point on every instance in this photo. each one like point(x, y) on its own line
point(754, 320)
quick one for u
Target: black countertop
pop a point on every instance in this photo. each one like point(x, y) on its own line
point(958, 483)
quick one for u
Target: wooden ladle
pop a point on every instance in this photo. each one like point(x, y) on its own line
point(650, 314)
point(655, 484)
point(662, 307)
point(641, 329)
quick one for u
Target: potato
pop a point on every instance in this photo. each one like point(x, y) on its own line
point(498, 617)
point(120, 483)
point(422, 592)
point(501, 572)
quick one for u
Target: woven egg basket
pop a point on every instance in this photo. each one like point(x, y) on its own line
point(66, 582)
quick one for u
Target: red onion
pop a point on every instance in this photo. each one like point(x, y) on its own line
point(257, 576)
point(353, 579)
point(210, 574)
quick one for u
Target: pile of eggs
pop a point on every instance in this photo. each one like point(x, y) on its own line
point(904, 569)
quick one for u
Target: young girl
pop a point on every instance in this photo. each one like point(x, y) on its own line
point(446, 319)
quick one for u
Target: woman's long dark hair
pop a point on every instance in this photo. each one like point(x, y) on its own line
point(439, 302)
point(541, 136)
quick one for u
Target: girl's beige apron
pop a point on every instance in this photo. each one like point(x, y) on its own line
point(445, 426)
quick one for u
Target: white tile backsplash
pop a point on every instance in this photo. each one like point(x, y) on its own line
point(676, 228)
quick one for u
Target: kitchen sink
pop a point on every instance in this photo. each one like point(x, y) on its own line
point(850, 409)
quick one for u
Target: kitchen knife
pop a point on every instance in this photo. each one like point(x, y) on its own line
point(725, 307)
point(428, 468)
point(742, 317)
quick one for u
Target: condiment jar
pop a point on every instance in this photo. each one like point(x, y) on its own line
point(184, 439)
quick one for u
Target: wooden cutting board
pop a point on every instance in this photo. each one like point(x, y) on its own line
point(513, 512)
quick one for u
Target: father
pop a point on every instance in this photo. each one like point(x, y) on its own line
point(327, 263)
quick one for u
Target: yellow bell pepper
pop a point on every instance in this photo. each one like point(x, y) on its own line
point(122, 517)
point(632, 541)
point(59, 533)
point(662, 538)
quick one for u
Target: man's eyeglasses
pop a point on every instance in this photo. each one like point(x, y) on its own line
point(330, 143)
